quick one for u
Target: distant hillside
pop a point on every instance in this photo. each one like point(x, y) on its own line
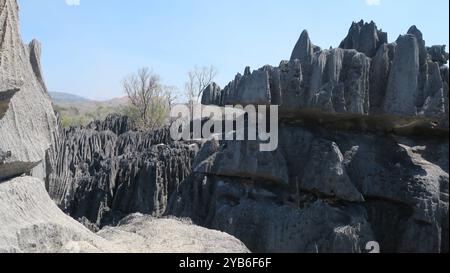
point(60, 97)
point(76, 110)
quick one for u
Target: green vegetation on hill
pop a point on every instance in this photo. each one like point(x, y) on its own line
point(74, 116)
point(84, 112)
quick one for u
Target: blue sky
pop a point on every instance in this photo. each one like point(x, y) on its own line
point(89, 48)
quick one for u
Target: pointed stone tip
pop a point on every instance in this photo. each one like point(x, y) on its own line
point(413, 30)
point(304, 38)
point(35, 46)
point(304, 34)
point(304, 49)
point(247, 71)
point(35, 42)
point(213, 86)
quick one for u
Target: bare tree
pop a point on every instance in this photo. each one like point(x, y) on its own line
point(198, 80)
point(170, 94)
point(150, 100)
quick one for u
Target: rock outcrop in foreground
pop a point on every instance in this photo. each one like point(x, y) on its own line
point(30, 221)
point(27, 120)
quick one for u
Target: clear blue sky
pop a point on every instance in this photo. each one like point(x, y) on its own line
point(89, 48)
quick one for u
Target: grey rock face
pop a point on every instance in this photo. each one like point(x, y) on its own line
point(251, 88)
point(35, 60)
point(326, 173)
point(445, 77)
point(336, 81)
point(343, 85)
point(146, 234)
point(434, 104)
point(304, 50)
point(366, 75)
point(265, 222)
point(379, 73)
point(102, 176)
point(403, 87)
point(241, 159)
point(289, 78)
point(355, 188)
point(5, 98)
point(115, 123)
point(211, 95)
point(414, 184)
point(326, 189)
point(364, 37)
point(319, 228)
point(438, 54)
point(32, 223)
point(27, 121)
point(80, 168)
point(414, 86)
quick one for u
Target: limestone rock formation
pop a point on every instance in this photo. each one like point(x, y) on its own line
point(365, 75)
point(27, 121)
point(143, 234)
point(304, 49)
point(364, 37)
point(336, 81)
point(403, 86)
point(379, 74)
point(326, 173)
point(438, 54)
point(32, 223)
point(102, 176)
point(211, 94)
point(241, 159)
point(331, 186)
point(358, 160)
point(366, 187)
point(363, 140)
point(5, 98)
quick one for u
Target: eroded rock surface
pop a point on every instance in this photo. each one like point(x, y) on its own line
point(102, 176)
point(365, 75)
point(144, 234)
point(361, 157)
point(32, 223)
point(363, 142)
point(27, 120)
point(93, 173)
point(388, 189)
